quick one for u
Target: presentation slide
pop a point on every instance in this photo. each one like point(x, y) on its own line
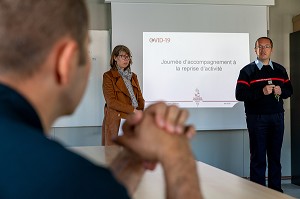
point(191, 69)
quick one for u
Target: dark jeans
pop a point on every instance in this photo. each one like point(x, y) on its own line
point(266, 136)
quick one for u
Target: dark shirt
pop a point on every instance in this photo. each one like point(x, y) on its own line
point(251, 82)
point(32, 166)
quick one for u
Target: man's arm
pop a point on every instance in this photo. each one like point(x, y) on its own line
point(181, 175)
point(243, 92)
point(128, 170)
point(287, 88)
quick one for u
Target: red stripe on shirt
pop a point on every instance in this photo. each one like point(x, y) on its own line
point(266, 79)
point(243, 82)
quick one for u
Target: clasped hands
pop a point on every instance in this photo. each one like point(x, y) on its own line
point(155, 132)
point(268, 89)
point(158, 134)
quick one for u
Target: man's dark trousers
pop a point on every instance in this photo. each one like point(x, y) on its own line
point(266, 136)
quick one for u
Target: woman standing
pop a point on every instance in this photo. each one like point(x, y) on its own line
point(121, 91)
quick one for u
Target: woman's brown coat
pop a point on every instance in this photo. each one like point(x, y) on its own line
point(118, 103)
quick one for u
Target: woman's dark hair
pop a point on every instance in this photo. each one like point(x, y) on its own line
point(116, 51)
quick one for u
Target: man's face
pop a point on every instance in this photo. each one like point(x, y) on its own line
point(263, 49)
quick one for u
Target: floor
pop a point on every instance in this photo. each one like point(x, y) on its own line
point(291, 189)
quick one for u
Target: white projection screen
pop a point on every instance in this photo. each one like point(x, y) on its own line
point(196, 70)
point(131, 20)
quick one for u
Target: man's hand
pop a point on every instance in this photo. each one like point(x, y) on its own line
point(268, 89)
point(152, 143)
point(149, 140)
point(172, 119)
point(277, 90)
point(168, 118)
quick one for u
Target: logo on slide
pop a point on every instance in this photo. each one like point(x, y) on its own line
point(197, 97)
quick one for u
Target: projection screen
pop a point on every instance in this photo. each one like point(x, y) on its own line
point(131, 20)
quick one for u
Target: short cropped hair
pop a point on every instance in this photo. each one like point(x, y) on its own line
point(116, 51)
point(264, 38)
point(30, 28)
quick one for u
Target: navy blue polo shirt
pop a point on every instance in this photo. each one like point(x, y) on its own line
point(32, 166)
point(251, 81)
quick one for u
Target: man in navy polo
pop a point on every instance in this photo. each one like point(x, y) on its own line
point(262, 85)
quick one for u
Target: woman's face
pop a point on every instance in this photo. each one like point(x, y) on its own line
point(122, 60)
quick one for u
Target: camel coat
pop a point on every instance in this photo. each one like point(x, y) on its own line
point(118, 103)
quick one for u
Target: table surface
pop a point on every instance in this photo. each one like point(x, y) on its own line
point(215, 183)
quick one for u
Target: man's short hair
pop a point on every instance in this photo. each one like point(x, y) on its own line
point(264, 38)
point(29, 29)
